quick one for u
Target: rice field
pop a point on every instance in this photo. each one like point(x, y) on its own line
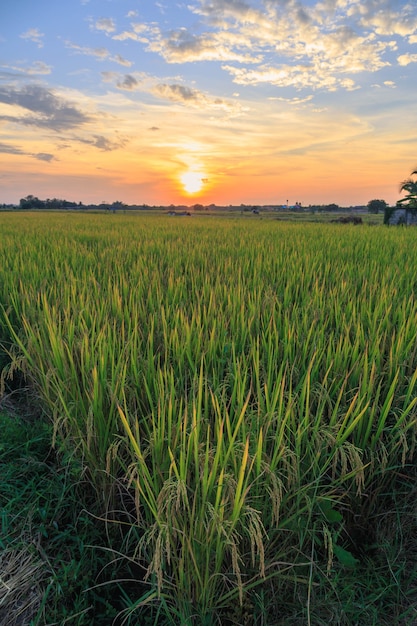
point(240, 394)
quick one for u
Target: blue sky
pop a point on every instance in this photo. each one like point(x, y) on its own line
point(224, 101)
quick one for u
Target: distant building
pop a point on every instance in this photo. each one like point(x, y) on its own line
point(401, 215)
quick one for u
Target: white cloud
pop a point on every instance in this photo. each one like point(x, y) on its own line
point(135, 81)
point(406, 59)
point(383, 19)
point(193, 97)
point(36, 69)
point(141, 32)
point(293, 101)
point(127, 35)
point(289, 44)
point(182, 46)
point(101, 54)
point(297, 76)
point(39, 67)
point(34, 35)
point(106, 24)
point(172, 92)
point(120, 60)
point(223, 12)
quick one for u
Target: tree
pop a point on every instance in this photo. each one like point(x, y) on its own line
point(409, 202)
point(375, 206)
point(31, 202)
point(410, 186)
point(117, 205)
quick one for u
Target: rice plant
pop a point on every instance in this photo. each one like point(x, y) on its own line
point(250, 385)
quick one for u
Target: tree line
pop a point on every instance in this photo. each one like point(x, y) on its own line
point(376, 205)
point(33, 202)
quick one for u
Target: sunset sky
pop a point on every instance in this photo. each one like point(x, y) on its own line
point(209, 101)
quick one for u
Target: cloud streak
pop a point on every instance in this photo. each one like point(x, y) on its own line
point(41, 156)
point(38, 68)
point(8, 149)
point(101, 54)
point(34, 35)
point(49, 110)
point(173, 93)
point(195, 98)
point(103, 143)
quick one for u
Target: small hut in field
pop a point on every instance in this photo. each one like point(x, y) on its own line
point(400, 216)
point(405, 212)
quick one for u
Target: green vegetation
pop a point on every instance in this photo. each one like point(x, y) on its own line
point(236, 398)
point(376, 205)
point(408, 203)
point(50, 547)
point(410, 186)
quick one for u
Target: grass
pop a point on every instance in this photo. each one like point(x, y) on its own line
point(245, 420)
point(49, 546)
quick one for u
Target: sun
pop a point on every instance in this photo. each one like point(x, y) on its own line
point(192, 181)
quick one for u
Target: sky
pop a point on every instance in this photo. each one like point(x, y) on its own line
point(208, 101)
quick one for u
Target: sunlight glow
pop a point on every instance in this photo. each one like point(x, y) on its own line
point(192, 181)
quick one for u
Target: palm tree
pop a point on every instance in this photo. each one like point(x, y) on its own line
point(409, 202)
point(410, 186)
